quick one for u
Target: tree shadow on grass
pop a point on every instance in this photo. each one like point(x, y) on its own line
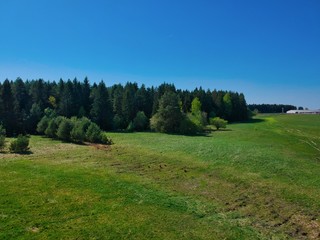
point(20, 153)
point(220, 130)
point(252, 120)
point(24, 153)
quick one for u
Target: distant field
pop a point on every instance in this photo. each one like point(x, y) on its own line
point(256, 180)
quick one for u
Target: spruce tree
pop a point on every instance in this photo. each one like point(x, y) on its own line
point(8, 117)
point(101, 111)
point(169, 115)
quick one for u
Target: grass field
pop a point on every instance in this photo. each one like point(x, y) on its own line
point(257, 180)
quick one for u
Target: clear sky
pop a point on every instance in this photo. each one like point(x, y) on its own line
point(267, 49)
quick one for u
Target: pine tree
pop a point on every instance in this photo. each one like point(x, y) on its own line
point(9, 118)
point(227, 103)
point(101, 111)
point(169, 115)
point(85, 96)
point(21, 100)
point(66, 107)
point(128, 103)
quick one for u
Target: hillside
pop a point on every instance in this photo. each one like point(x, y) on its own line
point(255, 180)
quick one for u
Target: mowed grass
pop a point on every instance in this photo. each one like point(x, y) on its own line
point(256, 180)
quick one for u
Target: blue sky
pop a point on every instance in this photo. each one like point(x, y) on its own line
point(269, 50)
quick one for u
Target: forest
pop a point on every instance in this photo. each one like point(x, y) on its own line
point(24, 103)
point(272, 108)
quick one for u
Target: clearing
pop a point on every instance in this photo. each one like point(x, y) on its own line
point(258, 180)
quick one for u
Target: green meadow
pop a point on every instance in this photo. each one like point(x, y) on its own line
point(254, 180)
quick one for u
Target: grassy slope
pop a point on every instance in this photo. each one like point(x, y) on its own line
point(259, 180)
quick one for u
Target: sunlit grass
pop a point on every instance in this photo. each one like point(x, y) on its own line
point(257, 180)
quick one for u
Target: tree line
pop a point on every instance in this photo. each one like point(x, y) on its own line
point(116, 107)
point(271, 108)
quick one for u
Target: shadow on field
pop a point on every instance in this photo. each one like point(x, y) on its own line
point(19, 153)
point(252, 120)
point(24, 153)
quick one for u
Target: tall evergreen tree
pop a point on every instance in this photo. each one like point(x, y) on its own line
point(169, 115)
point(39, 93)
point(21, 104)
point(117, 95)
point(85, 96)
point(8, 117)
point(227, 103)
point(129, 107)
point(101, 111)
point(141, 99)
point(1, 106)
point(66, 104)
point(33, 118)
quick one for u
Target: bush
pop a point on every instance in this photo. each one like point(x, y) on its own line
point(64, 129)
point(105, 139)
point(78, 132)
point(74, 129)
point(188, 127)
point(218, 122)
point(156, 123)
point(93, 133)
point(2, 137)
point(196, 120)
point(43, 124)
point(52, 128)
point(20, 145)
point(140, 122)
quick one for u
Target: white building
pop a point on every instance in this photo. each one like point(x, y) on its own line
point(303, 112)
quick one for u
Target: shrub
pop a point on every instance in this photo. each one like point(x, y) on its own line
point(20, 145)
point(105, 139)
point(2, 137)
point(52, 128)
point(78, 132)
point(156, 123)
point(93, 133)
point(218, 122)
point(188, 127)
point(140, 122)
point(64, 129)
point(43, 124)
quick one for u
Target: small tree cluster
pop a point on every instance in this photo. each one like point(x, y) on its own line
point(75, 129)
point(20, 144)
point(218, 122)
point(171, 119)
point(196, 116)
point(169, 115)
point(139, 123)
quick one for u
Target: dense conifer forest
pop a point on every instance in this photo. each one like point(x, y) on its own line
point(23, 103)
point(271, 108)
